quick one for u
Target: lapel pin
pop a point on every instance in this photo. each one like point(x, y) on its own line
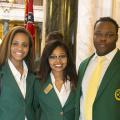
point(48, 88)
point(117, 94)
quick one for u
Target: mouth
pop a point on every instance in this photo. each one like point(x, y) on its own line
point(18, 53)
point(101, 45)
point(58, 65)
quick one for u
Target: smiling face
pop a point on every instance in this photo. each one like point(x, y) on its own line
point(105, 38)
point(58, 60)
point(19, 47)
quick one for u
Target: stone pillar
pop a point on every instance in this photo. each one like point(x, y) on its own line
point(5, 27)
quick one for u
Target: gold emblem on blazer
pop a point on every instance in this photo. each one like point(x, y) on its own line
point(48, 88)
point(117, 94)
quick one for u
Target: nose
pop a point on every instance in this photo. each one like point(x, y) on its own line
point(103, 37)
point(58, 59)
point(20, 47)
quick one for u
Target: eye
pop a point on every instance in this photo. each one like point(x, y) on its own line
point(25, 45)
point(110, 35)
point(52, 57)
point(15, 43)
point(98, 34)
point(62, 56)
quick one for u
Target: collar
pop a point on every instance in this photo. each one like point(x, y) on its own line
point(108, 56)
point(15, 71)
point(66, 84)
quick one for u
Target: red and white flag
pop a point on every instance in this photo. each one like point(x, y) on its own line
point(29, 18)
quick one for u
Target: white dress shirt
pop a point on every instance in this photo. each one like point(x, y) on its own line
point(20, 79)
point(63, 94)
point(90, 68)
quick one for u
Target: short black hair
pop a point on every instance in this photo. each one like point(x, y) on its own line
point(107, 19)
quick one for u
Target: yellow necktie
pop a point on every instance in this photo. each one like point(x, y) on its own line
point(92, 88)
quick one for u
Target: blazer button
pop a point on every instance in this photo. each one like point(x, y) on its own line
point(61, 113)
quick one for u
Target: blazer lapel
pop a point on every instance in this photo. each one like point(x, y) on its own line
point(109, 74)
point(29, 83)
point(51, 95)
point(82, 68)
point(70, 103)
point(81, 73)
point(7, 75)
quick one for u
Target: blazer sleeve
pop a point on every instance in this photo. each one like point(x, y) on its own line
point(36, 104)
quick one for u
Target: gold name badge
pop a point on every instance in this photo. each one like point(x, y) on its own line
point(48, 88)
point(117, 94)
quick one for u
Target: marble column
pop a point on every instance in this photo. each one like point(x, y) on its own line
point(61, 15)
point(5, 27)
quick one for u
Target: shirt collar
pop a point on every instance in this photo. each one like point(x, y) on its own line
point(52, 77)
point(108, 56)
point(66, 84)
point(15, 71)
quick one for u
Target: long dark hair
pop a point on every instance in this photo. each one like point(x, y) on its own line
point(6, 44)
point(45, 69)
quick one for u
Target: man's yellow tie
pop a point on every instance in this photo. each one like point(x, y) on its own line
point(92, 88)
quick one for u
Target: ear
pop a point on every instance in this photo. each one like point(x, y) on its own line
point(117, 37)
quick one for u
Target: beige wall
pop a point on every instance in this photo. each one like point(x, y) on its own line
point(116, 15)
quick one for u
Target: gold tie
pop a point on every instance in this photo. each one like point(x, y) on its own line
point(92, 88)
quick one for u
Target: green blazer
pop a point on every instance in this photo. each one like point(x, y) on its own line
point(107, 102)
point(50, 106)
point(13, 106)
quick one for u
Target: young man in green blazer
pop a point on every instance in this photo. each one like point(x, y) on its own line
point(106, 102)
